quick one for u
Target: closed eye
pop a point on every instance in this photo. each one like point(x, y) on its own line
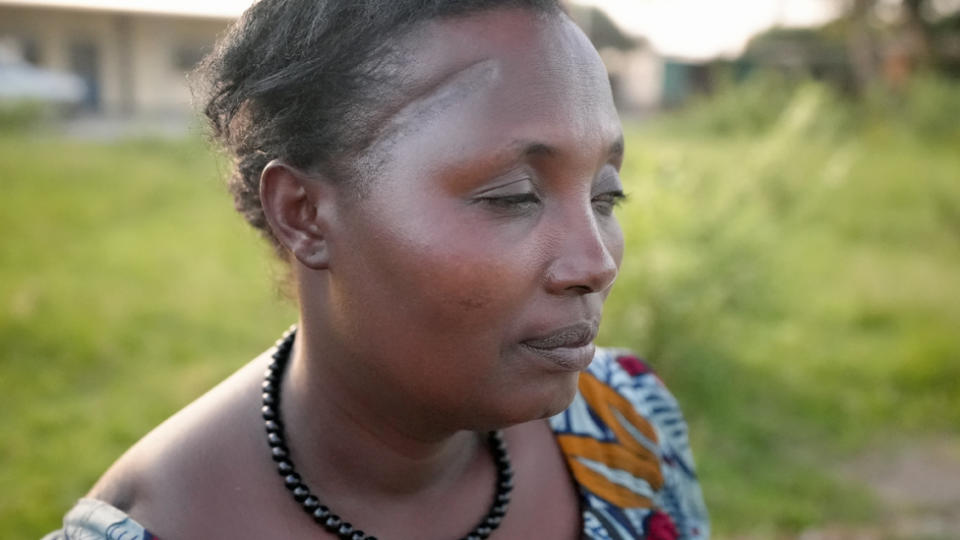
point(604, 203)
point(519, 201)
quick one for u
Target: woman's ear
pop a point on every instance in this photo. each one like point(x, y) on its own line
point(297, 209)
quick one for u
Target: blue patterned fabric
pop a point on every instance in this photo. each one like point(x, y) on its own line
point(626, 443)
point(96, 520)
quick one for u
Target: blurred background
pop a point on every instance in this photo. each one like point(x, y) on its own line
point(793, 266)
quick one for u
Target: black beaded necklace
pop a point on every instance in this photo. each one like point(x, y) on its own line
point(321, 514)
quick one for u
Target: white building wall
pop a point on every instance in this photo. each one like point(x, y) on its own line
point(160, 45)
point(639, 76)
point(137, 54)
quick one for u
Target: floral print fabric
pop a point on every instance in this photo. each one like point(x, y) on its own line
point(625, 442)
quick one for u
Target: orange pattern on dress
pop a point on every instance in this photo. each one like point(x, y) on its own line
point(626, 453)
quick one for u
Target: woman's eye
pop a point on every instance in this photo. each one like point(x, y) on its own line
point(520, 201)
point(606, 202)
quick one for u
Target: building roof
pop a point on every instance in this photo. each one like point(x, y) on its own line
point(217, 9)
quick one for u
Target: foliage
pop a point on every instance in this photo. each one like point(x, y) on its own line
point(874, 43)
point(127, 287)
point(794, 279)
point(756, 105)
point(927, 109)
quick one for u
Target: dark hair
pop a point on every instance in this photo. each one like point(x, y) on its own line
point(300, 80)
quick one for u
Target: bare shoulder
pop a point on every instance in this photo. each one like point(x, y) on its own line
point(173, 480)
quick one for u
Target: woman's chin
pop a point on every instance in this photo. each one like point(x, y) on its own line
point(537, 403)
point(557, 401)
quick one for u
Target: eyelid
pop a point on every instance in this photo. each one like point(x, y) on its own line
point(608, 181)
point(521, 186)
point(605, 203)
point(618, 196)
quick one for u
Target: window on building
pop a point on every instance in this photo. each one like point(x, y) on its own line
point(14, 48)
point(30, 50)
point(85, 62)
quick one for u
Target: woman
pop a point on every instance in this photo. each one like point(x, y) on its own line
point(441, 177)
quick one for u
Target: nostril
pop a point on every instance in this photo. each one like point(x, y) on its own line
point(581, 289)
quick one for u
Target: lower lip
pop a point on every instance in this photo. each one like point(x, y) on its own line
point(564, 358)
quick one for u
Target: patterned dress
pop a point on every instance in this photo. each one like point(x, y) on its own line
point(625, 443)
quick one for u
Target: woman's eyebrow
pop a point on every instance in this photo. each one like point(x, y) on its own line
point(527, 148)
point(536, 149)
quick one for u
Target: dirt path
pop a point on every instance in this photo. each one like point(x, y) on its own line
point(918, 484)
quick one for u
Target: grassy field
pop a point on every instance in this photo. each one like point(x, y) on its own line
point(796, 284)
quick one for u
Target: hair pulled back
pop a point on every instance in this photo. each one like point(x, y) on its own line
point(297, 80)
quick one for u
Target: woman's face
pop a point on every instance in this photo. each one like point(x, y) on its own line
point(471, 276)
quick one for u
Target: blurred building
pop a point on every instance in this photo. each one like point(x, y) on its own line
point(636, 69)
point(132, 61)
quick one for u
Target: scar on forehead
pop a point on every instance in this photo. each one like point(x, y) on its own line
point(430, 99)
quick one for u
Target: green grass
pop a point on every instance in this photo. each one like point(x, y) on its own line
point(127, 287)
point(796, 284)
point(798, 287)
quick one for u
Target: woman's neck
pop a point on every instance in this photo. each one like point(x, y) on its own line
point(358, 439)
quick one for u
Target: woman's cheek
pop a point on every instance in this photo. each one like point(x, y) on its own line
point(615, 241)
point(472, 287)
point(476, 271)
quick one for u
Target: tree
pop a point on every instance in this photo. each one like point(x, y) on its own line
point(862, 44)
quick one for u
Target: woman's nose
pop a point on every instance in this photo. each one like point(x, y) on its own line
point(583, 262)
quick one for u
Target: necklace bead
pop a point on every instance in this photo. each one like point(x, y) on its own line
point(321, 514)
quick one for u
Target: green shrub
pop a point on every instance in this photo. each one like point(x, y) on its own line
point(793, 279)
point(927, 108)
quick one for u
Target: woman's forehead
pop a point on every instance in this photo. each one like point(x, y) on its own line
point(434, 95)
point(505, 65)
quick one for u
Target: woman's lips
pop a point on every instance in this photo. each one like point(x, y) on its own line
point(570, 348)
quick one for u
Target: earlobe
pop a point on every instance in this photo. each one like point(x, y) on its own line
point(295, 207)
point(314, 255)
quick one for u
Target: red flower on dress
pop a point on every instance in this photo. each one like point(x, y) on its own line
point(633, 365)
point(659, 526)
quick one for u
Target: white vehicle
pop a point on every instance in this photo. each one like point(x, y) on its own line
point(20, 81)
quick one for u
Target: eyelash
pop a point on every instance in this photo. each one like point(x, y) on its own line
point(609, 200)
point(512, 201)
point(519, 202)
